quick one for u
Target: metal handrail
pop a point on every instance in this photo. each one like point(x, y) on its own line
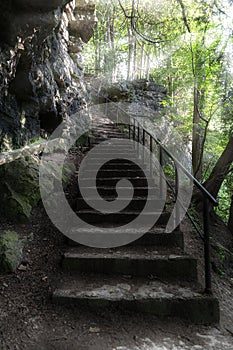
point(185, 171)
point(207, 197)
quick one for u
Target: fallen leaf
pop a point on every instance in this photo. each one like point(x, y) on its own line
point(94, 330)
point(22, 268)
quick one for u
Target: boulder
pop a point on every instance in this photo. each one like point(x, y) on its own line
point(19, 187)
point(19, 184)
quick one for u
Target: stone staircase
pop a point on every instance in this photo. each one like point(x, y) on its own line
point(151, 275)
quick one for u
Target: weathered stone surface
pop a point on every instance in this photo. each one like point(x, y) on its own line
point(19, 185)
point(40, 83)
point(141, 92)
point(139, 295)
point(137, 261)
point(10, 251)
point(85, 20)
point(19, 188)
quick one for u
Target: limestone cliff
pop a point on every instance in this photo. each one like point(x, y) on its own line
point(40, 65)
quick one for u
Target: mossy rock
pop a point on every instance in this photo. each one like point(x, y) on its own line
point(11, 251)
point(19, 185)
point(19, 188)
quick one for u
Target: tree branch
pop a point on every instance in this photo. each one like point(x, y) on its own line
point(184, 15)
point(134, 20)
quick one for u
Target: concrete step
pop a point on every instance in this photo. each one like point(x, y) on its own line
point(102, 138)
point(116, 173)
point(117, 162)
point(139, 295)
point(120, 165)
point(136, 182)
point(120, 155)
point(114, 151)
point(124, 217)
point(134, 261)
point(111, 128)
point(107, 191)
point(135, 203)
point(108, 139)
point(112, 147)
point(107, 133)
point(111, 142)
point(156, 237)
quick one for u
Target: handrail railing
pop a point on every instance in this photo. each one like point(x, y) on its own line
point(207, 197)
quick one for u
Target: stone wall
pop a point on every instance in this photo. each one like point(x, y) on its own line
point(41, 83)
point(41, 79)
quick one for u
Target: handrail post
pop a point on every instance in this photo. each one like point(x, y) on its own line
point(206, 223)
point(151, 150)
point(88, 142)
point(117, 115)
point(138, 148)
point(177, 184)
point(160, 172)
point(129, 128)
point(134, 130)
point(106, 107)
point(143, 142)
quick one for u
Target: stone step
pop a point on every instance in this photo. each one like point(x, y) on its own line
point(94, 217)
point(114, 150)
point(153, 297)
point(136, 182)
point(118, 164)
point(134, 261)
point(105, 130)
point(107, 133)
point(156, 237)
point(135, 203)
point(116, 173)
point(96, 127)
point(107, 191)
point(108, 139)
point(120, 155)
point(112, 144)
point(102, 138)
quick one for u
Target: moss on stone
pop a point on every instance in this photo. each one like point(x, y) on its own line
point(19, 186)
point(10, 251)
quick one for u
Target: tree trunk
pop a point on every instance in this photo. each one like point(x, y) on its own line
point(148, 68)
point(198, 130)
point(230, 222)
point(142, 64)
point(131, 56)
point(220, 171)
point(170, 82)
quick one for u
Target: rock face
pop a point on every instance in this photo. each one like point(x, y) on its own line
point(41, 83)
point(141, 92)
point(40, 65)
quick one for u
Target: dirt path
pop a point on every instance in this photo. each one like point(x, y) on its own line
point(29, 320)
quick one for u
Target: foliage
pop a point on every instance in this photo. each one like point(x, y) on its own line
point(186, 46)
